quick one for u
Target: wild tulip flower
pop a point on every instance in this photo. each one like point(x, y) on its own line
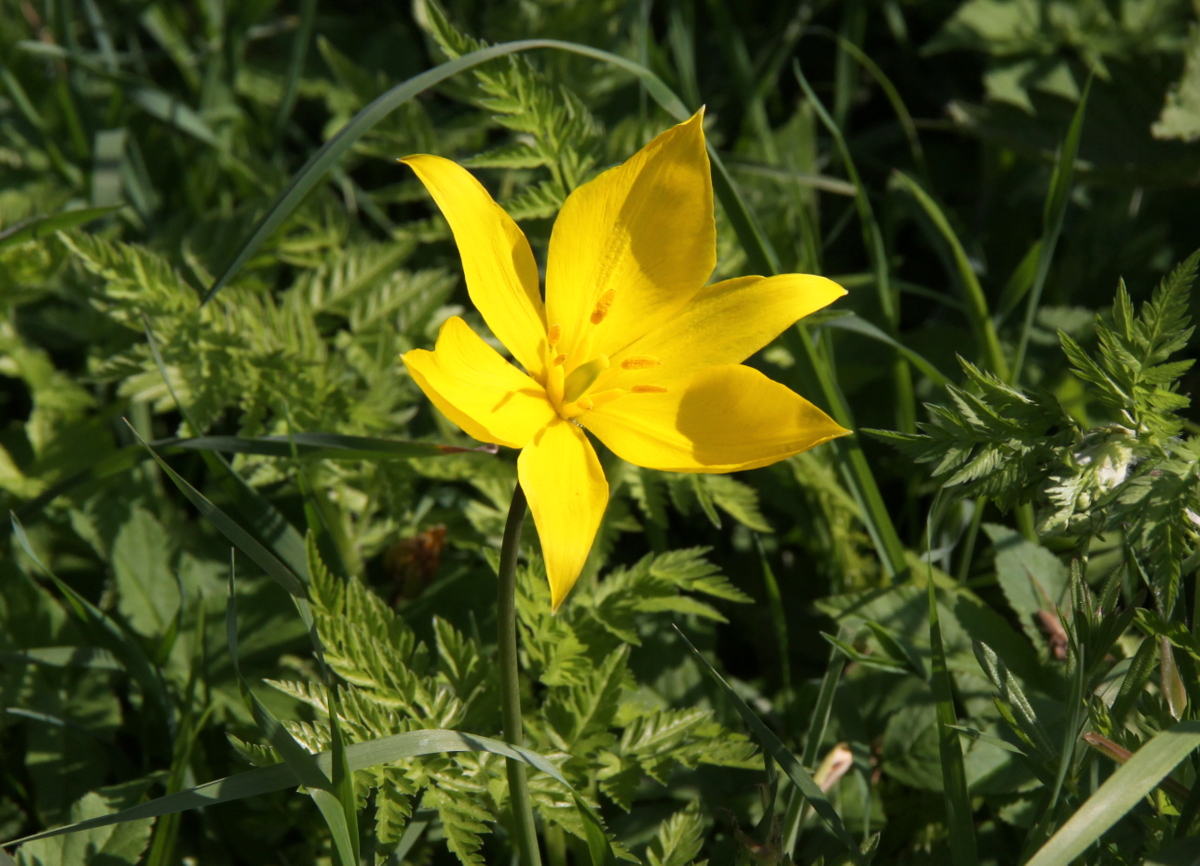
point(629, 344)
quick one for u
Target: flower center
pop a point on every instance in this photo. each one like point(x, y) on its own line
point(570, 376)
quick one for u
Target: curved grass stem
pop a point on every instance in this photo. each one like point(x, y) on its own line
point(510, 687)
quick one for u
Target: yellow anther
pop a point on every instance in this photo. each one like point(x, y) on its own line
point(554, 335)
point(583, 377)
point(648, 389)
point(558, 360)
point(584, 403)
point(640, 362)
point(602, 306)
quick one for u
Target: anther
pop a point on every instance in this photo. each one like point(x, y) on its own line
point(584, 403)
point(554, 335)
point(558, 360)
point(640, 362)
point(648, 389)
point(602, 306)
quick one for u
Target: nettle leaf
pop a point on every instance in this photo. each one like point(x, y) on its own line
point(147, 591)
point(114, 845)
point(1032, 578)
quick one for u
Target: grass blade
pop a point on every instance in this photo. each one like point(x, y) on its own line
point(331, 446)
point(954, 774)
point(302, 764)
point(778, 617)
point(794, 814)
point(980, 319)
point(242, 539)
point(104, 631)
point(321, 162)
point(889, 90)
point(265, 522)
point(264, 780)
point(773, 746)
point(300, 43)
point(1052, 221)
point(858, 325)
point(43, 226)
point(1120, 792)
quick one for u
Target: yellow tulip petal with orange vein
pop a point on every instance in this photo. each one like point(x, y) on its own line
point(567, 493)
point(473, 386)
point(501, 274)
point(724, 419)
point(725, 323)
point(643, 230)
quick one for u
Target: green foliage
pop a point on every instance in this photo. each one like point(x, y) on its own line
point(556, 131)
point(140, 145)
point(995, 441)
point(119, 845)
point(590, 720)
point(1134, 474)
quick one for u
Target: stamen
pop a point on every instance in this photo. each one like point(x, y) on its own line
point(584, 403)
point(648, 389)
point(554, 384)
point(558, 360)
point(554, 335)
point(640, 362)
point(602, 306)
point(583, 377)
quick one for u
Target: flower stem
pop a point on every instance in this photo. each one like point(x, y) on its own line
point(510, 687)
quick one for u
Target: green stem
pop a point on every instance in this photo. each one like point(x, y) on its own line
point(968, 551)
point(510, 687)
point(556, 845)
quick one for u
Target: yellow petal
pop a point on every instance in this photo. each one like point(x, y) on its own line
point(473, 386)
point(725, 323)
point(567, 495)
point(502, 277)
point(723, 419)
point(642, 231)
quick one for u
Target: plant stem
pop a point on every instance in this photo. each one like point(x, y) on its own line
point(510, 687)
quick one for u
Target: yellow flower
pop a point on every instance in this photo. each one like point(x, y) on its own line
point(629, 344)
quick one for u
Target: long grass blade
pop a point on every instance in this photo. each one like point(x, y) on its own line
point(1123, 790)
point(332, 446)
point(301, 762)
point(321, 162)
point(43, 226)
point(889, 89)
point(977, 307)
point(1052, 222)
point(773, 746)
point(104, 631)
point(276, 777)
point(794, 814)
point(954, 774)
point(858, 325)
point(266, 524)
